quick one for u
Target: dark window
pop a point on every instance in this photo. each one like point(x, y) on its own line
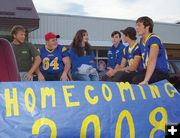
point(102, 53)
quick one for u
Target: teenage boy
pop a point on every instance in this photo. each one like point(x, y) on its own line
point(131, 61)
point(55, 63)
point(153, 54)
point(26, 54)
point(114, 55)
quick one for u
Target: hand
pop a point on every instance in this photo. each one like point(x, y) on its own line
point(110, 72)
point(41, 77)
point(64, 77)
point(144, 82)
point(28, 76)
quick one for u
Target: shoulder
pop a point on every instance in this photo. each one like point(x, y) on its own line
point(111, 48)
point(139, 41)
point(122, 46)
point(28, 44)
point(42, 48)
point(154, 38)
point(62, 48)
point(71, 50)
point(126, 48)
point(136, 46)
point(12, 44)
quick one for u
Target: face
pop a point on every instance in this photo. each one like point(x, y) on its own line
point(20, 36)
point(85, 37)
point(124, 38)
point(141, 29)
point(116, 39)
point(52, 43)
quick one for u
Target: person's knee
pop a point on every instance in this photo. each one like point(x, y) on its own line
point(81, 77)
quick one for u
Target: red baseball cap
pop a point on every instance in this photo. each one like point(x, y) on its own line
point(50, 35)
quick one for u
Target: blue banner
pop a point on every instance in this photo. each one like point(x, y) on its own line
point(87, 109)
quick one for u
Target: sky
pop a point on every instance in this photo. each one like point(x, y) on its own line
point(159, 10)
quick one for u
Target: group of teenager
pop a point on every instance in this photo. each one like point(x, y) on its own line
point(143, 61)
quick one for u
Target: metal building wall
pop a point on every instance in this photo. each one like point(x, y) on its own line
point(99, 29)
point(169, 33)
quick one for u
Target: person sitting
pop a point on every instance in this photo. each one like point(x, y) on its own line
point(153, 54)
point(131, 60)
point(82, 58)
point(55, 63)
point(114, 55)
point(27, 56)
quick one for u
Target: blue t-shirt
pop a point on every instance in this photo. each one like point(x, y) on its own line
point(77, 61)
point(129, 56)
point(115, 55)
point(52, 60)
point(162, 61)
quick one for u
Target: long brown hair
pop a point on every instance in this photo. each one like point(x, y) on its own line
point(77, 43)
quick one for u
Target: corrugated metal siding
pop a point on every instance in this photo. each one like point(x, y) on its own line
point(169, 33)
point(68, 42)
point(99, 29)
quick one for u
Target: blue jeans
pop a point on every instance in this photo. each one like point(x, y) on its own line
point(22, 74)
point(52, 76)
point(83, 77)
